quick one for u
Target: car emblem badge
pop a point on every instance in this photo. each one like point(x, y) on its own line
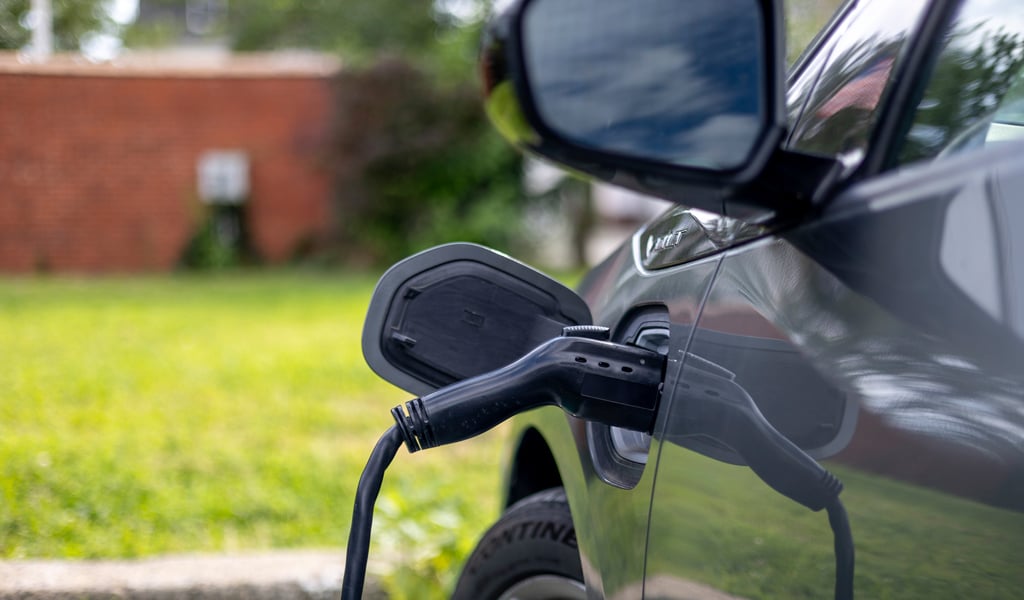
point(657, 244)
point(674, 238)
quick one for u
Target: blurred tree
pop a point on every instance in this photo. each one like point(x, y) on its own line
point(424, 30)
point(399, 26)
point(73, 22)
point(414, 160)
point(417, 164)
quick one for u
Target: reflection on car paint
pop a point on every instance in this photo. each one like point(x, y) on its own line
point(634, 100)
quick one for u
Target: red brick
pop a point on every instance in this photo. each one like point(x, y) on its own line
point(97, 173)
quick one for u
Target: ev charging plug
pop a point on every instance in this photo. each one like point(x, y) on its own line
point(589, 378)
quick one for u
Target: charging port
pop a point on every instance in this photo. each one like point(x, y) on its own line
point(631, 445)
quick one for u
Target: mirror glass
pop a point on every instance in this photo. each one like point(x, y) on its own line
point(672, 81)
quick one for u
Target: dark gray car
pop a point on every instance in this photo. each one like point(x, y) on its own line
point(848, 254)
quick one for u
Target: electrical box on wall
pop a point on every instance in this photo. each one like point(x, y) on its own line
point(223, 176)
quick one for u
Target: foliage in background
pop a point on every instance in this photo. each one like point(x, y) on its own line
point(350, 28)
point(417, 164)
point(144, 416)
point(411, 512)
point(221, 241)
point(73, 21)
point(206, 251)
point(415, 161)
point(357, 30)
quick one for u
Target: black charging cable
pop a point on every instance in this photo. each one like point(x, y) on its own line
point(362, 513)
point(843, 538)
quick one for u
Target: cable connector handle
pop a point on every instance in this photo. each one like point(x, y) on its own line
point(601, 381)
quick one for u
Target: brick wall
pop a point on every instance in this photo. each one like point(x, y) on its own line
point(98, 162)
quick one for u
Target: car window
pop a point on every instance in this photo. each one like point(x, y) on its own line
point(840, 112)
point(975, 93)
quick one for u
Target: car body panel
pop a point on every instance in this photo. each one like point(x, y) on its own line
point(934, 468)
point(934, 463)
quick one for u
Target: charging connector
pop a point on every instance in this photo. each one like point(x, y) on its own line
point(589, 378)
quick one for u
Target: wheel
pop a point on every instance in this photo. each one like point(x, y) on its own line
point(529, 554)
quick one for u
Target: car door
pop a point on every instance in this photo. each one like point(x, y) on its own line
point(884, 337)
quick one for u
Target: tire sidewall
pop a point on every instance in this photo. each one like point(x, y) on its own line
point(536, 536)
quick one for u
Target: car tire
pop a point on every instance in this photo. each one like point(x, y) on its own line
point(529, 554)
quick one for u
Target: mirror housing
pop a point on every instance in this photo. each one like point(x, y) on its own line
point(459, 310)
point(681, 99)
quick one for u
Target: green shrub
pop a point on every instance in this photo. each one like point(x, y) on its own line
point(220, 242)
point(417, 164)
point(426, 529)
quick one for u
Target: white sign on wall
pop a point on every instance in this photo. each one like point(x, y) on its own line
point(223, 176)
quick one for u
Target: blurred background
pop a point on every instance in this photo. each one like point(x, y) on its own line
point(196, 198)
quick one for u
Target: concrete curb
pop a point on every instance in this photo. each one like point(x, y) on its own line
point(284, 575)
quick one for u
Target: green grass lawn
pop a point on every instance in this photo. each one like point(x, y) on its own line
point(141, 416)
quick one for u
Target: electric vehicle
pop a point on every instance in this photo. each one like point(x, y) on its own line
point(865, 286)
point(845, 263)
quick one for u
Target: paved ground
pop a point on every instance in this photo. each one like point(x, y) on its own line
point(284, 575)
point(279, 575)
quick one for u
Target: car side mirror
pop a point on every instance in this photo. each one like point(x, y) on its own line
point(459, 310)
point(676, 98)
